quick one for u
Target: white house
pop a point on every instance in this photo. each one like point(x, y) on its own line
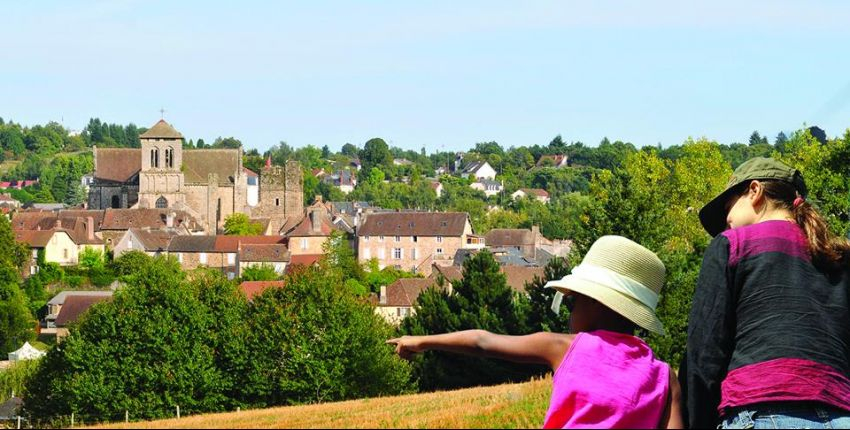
point(539, 194)
point(479, 170)
point(490, 187)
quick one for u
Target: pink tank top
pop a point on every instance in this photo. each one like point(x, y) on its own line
point(608, 380)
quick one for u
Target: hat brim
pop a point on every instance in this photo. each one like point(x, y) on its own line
point(628, 307)
point(713, 214)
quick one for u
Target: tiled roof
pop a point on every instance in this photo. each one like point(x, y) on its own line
point(535, 192)
point(557, 159)
point(199, 163)
point(75, 306)
point(34, 238)
point(224, 243)
point(153, 240)
point(161, 130)
point(117, 164)
point(518, 276)
point(451, 273)
point(249, 172)
point(304, 259)
point(509, 237)
point(305, 227)
point(6, 198)
point(414, 224)
point(255, 288)
point(404, 292)
point(153, 218)
point(192, 244)
point(270, 253)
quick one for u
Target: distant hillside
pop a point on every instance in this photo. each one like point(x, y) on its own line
point(503, 406)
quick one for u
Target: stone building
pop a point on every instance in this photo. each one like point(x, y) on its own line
point(209, 184)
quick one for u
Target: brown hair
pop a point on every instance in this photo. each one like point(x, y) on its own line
point(827, 250)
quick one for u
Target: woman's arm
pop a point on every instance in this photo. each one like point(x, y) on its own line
point(538, 348)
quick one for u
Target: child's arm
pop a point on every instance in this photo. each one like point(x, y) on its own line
point(538, 348)
point(672, 418)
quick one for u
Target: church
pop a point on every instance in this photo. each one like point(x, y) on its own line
point(209, 184)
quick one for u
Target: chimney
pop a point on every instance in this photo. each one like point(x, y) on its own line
point(315, 220)
point(169, 219)
point(90, 228)
point(382, 299)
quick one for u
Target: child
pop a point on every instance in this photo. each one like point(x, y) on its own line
point(769, 330)
point(604, 375)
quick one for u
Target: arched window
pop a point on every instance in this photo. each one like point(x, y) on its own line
point(169, 157)
point(161, 203)
point(155, 158)
point(116, 202)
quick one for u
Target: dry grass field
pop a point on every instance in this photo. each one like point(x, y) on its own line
point(503, 406)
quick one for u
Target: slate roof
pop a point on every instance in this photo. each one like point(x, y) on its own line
point(60, 298)
point(117, 164)
point(161, 130)
point(474, 166)
point(414, 224)
point(255, 288)
point(404, 292)
point(75, 306)
point(271, 253)
point(199, 163)
point(192, 244)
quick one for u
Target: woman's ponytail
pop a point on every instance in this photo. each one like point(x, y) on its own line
point(827, 250)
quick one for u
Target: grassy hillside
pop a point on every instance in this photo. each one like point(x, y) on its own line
point(503, 406)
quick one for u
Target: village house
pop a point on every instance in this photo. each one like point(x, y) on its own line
point(274, 255)
point(62, 242)
point(309, 236)
point(412, 241)
point(554, 160)
point(488, 186)
point(537, 193)
point(75, 305)
point(218, 252)
point(58, 302)
point(396, 300)
point(342, 179)
point(8, 203)
point(479, 170)
point(151, 242)
point(530, 243)
point(116, 222)
point(437, 187)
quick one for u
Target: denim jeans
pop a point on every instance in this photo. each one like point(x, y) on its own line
point(787, 416)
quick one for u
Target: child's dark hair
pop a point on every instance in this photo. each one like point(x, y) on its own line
point(828, 250)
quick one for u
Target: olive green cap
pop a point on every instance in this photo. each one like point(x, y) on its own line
point(713, 214)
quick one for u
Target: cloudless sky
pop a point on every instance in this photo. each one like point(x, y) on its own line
point(438, 74)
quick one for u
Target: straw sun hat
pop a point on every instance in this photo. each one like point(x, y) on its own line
point(620, 274)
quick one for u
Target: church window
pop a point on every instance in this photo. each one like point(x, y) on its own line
point(155, 158)
point(161, 203)
point(169, 157)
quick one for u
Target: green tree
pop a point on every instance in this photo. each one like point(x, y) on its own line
point(375, 153)
point(262, 272)
point(130, 263)
point(227, 142)
point(140, 352)
point(349, 150)
point(540, 316)
point(328, 346)
point(239, 224)
point(481, 300)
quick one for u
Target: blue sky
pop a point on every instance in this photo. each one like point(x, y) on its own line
point(438, 74)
